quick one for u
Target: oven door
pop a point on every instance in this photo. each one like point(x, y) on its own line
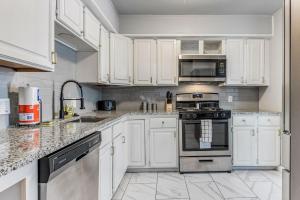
point(202, 70)
point(190, 133)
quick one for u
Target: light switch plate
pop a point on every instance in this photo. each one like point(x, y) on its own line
point(4, 107)
point(230, 99)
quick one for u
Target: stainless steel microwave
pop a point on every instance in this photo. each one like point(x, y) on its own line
point(202, 68)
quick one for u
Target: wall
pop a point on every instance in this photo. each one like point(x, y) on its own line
point(46, 81)
point(129, 98)
point(271, 98)
point(195, 24)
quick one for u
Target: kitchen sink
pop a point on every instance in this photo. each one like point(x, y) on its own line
point(89, 119)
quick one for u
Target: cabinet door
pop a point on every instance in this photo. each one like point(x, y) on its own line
point(106, 177)
point(91, 31)
point(136, 143)
point(125, 151)
point(70, 13)
point(255, 61)
point(144, 62)
point(235, 61)
point(163, 151)
point(104, 56)
point(27, 34)
point(118, 161)
point(119, 59)
point(268, 146)
point(167, 62)
point(244, 146)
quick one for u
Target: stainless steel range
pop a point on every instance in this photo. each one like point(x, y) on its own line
point(205, 141)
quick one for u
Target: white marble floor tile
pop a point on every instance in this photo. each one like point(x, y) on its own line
point(140, 192)
point(243, 199)
point(204, 191)
point(274, 176)
point(122, 188)
point(251, 175)
point(231, 186)
point(170, 186)
point(143, 178)
point(266, 190)
point(195, 178)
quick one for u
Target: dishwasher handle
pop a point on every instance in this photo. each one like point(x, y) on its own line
point(82, 155)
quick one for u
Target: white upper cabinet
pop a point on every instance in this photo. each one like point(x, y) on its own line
point(27, 35)
point(235, 61)
point(144, 62)
point(104, 56)
point(167, 62)
point(248, 62)
point(121, 59)
point(255, 62)
point(136, 143)
point(163, 148)
point(91, 32)
point(70, 13)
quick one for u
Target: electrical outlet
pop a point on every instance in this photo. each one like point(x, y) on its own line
point(4, 107)
point(230, 99)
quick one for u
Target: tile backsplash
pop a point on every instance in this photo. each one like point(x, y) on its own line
point(130, 98)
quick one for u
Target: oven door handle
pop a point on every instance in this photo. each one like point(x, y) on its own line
point(199, 121)
point(206, 161)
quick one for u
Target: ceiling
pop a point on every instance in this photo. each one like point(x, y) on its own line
point(197, 7)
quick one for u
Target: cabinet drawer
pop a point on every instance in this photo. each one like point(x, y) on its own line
point(163, 123)
point(269, 120)
point(205, 164)
point(118, 129)
point(244, 121)
point(106, 135)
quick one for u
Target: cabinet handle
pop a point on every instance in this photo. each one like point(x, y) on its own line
point(112, 152)
point(151, 80)
point(53, 57)
point(253, 132)
point(123, 139)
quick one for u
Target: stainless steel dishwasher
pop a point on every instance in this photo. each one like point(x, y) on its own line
point(71, 173)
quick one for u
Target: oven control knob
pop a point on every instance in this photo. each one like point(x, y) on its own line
point(187, 116)
point(223, 115)
point(194, 116)
point(216, 115)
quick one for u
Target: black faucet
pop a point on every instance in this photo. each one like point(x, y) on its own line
point(62, 99)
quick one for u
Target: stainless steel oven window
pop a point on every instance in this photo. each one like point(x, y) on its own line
point(191, 133)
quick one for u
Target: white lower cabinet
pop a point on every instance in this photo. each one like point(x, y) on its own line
point(268, 146)
point(136, 143)
point(244, 146)
point(105, 190)
point(118, 161)
point(163, 148)
point(256, 141)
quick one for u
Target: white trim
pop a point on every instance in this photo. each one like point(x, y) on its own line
point(105, 20)
point(199, 35)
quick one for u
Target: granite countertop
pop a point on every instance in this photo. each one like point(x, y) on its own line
point(255, 112)
point(19, 146)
